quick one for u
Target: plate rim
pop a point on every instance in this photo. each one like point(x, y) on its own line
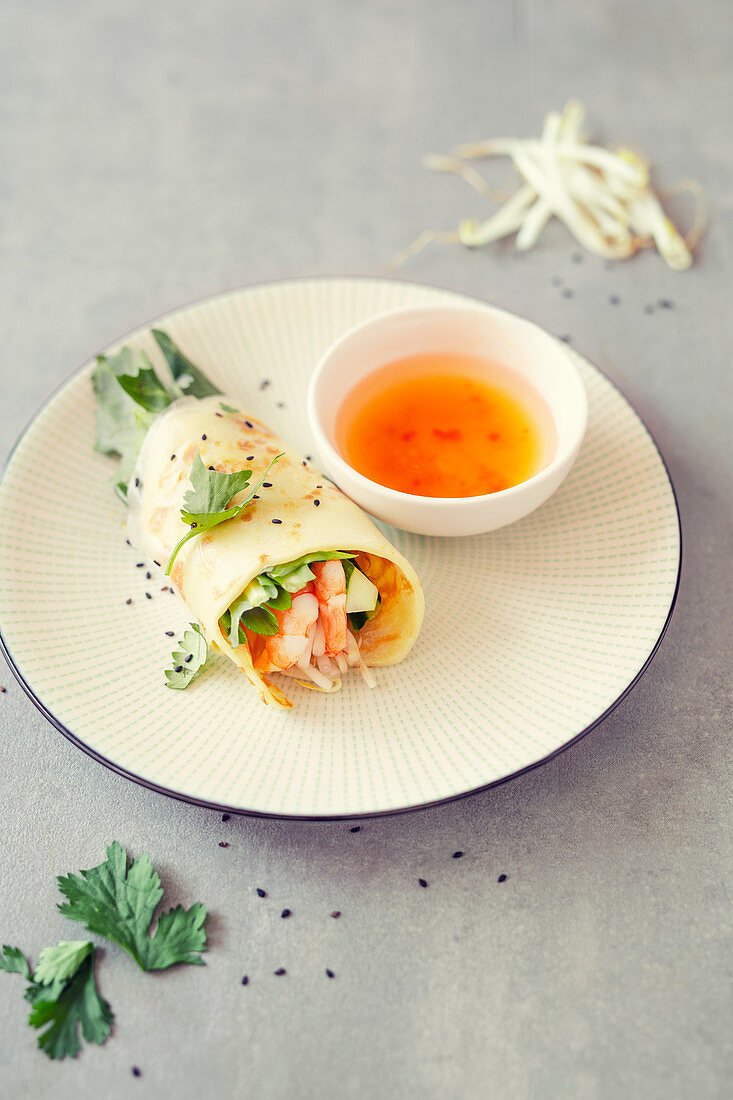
point(362, 815)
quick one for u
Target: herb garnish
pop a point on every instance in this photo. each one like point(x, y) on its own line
point(188, 659)
point(208, 499)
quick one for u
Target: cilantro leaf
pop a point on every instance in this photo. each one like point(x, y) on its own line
point(145, 388)
point(227, 408)
point(14, 961)
point(191, 379)
point(64, 995)
point(118, 903)
point(188, 659)
point(206, 502)
point(294, 575)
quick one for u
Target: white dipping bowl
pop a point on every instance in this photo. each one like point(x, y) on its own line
point(484, 332)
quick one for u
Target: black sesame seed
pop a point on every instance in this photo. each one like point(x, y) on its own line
point(245, 980)
point(264, 383)
point(664, 303)
point(309, 457)
point(219, 415)
point(223, 843)
point(277, 521)
point(249, 423)
point(502, 878)
point(319, 486)
point(280, 971)
point(156, 563)
point(336, 913)
point(286, 913)
point(355, 829)
point(255, 497)
point(212, 467)
point(317, 503)
point(137, 482)
point(250, 458)
point(304, 463)
point(149, 576)
point(281, 404)
point(225, 817)
point(189, 658)
point(566, 339)
point(266, 484)
point(139, 564)
point(148, 596)
point(128, 601)
point(204, 436)
point(172, 457)
point(330, 973)
point(567, 292)
point(458, 855)
point(194, 525)
point(179, 668)
point(614, 299)
point(136, 1072)
point(422, 882)
point(169, 634)
point(128, 542)
point(261, 893)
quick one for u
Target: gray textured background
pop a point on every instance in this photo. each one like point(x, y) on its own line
point(156, 152)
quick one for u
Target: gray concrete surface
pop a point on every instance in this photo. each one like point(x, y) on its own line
point(154, 153)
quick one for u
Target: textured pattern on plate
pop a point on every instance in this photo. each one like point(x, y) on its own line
point(531, 633)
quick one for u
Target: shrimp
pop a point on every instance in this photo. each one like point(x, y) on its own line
point(297, 624)
point(330, 587)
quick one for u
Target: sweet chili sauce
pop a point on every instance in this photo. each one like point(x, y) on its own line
point(445, 425)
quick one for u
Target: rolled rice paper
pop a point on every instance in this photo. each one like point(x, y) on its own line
point(212, 570)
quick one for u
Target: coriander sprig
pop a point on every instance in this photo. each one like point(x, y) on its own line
point(207, 502)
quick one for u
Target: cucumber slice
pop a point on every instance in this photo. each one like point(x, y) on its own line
point(361, 594)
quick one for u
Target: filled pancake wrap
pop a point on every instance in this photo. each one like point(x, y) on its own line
point(297, 513)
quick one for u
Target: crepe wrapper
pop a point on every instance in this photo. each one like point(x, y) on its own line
point(213, 569)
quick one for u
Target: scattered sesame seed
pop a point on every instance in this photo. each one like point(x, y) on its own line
point(245, 980)
point(128, 542)
point(317, 503)
point(319, 486)
point(250, 458)
point(281, 404)
point(330, 973)
point(3, 690)
point(225, 817)
point(277, 521)
point(664, 303)
point(355, 829)
point(172, 457)
point(194, 525)
point(136, 1072)
point(280, 971)
point(189, 658)
point(204, 436)
point(156, 563)
point(264, 383)
point(169, 634)
point(309, 458)
point(614, 299)
point(336, 914)
point(422, 882)
point(148, 596)
point(249, 423)
point(286, 913)
point(220, 415)
point(149, 576)
point(266, 484)
point(502, 878)
point(139, 564)
point(304, 463)
point(137, 482)
point(223, 843)
point(178, 668)
point(128, 601)
point(567, 292)
point(261, 893)
point(255, 497)
point(458, 855)
point(212, 467)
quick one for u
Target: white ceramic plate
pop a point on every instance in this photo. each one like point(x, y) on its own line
point(532, 633)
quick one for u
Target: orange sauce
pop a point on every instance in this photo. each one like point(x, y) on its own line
point(444, 425)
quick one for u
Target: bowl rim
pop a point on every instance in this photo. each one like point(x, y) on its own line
point(566, 452)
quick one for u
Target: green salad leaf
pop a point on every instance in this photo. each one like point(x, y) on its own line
point(207, 503)
point(188, 659)
point(118, 902)
point(294, 575)
point(190, 379)
point(14, 961)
